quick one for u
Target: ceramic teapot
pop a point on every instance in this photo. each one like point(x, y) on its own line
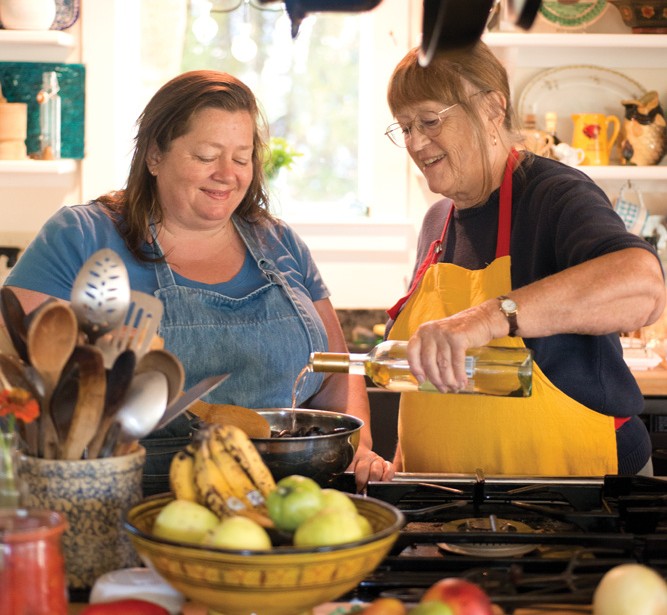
point(645, 131)
point(591, 133)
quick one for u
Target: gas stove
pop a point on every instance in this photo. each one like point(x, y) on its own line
point(527, 541)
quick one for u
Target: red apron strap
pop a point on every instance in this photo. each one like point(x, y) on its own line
point(502, 243)
point(505, 210)
point(431, 258)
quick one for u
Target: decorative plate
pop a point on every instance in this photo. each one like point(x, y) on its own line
point(67, 12)
point(576, 89)
point(573, 14)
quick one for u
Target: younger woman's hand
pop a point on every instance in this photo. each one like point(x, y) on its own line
point(369, 466)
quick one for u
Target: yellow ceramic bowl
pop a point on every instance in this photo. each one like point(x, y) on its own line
point(283, 581)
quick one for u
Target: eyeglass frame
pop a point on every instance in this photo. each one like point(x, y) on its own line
point(397, 126)
point(256, 4)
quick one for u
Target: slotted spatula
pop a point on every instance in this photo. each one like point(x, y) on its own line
point(137, 332)
point(101, 294)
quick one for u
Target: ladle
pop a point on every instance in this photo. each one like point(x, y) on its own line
point(142, 408)
point(89, 402)
point(162, 360)
point(101, 294)
point(119, 377)
point(52, 336)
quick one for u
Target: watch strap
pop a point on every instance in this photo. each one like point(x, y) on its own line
point(511, 316)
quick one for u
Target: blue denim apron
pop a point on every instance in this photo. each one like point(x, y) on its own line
point(263, 340)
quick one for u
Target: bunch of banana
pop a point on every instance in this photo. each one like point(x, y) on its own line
point(222, 470)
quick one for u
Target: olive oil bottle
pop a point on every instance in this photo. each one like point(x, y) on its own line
point(491, 370)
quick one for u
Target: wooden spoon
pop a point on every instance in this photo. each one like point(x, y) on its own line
point(14, 317)
point(52, 336)
point(253, 423)
point(119, 378)
point(89, 403)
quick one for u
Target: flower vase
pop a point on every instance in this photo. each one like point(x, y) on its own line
point(10, 493)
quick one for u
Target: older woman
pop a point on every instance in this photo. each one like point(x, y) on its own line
point(522, 251)
point(240, 290)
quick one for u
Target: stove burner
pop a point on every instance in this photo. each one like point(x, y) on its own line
point(490, 549)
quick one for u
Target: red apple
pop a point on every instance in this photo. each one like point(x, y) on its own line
point(464, 597)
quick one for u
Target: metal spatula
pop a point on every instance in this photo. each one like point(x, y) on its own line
point(101, 294)
point(138, 330)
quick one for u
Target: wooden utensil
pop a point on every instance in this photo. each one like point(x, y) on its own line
point(119, 378)
point(14, 317)
point(63, 401)
point(162, 360)
point(254, 424)
point(52, 336)
point(89, 402)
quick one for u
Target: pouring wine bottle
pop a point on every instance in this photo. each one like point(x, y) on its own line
point(491, 370)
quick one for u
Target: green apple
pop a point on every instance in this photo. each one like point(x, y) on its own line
point(328, 527)
point(294, 499)
point(184, 521)
point(332, 498)
point(238, 533)
point(365, 525)
point(431, 607)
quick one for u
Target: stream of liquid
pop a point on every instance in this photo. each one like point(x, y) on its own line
point(295, 392)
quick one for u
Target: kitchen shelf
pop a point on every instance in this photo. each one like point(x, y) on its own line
point(35, 45)
point(561, 49)
point(41, 172)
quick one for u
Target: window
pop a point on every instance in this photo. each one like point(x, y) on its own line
point(319, 91)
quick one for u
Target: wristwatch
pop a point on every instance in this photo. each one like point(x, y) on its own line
point(510, 309)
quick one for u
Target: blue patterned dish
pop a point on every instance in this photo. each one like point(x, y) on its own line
point(67, 12)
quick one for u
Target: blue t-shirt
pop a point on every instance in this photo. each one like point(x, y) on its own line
point(53, 259)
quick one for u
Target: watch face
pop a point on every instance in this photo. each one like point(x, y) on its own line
point(507, 305)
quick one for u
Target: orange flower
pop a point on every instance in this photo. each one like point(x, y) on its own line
point(18, 402)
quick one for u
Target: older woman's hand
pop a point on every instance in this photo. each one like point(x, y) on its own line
point(369, 466)
point(437, 350)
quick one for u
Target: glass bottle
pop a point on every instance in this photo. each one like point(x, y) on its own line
point(49, 116)
point(491, 370)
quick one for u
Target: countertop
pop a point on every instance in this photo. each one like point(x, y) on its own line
point(653, 382)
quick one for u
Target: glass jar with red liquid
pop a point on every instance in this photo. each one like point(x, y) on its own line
point(32, 568)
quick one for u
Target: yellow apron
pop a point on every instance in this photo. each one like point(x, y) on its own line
point(547, 434)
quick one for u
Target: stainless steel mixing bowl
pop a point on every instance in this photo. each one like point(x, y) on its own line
point(320, 457)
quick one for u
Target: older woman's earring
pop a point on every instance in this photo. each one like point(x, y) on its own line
point(495, 141)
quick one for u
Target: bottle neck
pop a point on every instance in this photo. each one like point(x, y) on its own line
point(338, 362)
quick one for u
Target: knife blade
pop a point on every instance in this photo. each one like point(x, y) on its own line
point(190, 396)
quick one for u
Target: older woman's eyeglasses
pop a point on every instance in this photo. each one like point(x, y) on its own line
point(429, 123)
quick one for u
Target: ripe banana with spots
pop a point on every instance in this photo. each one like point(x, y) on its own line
point(240, 447)
point(213, 490)
point(222, 470)
point(182, 474)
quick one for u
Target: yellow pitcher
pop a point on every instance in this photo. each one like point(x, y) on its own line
point(591, 133)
